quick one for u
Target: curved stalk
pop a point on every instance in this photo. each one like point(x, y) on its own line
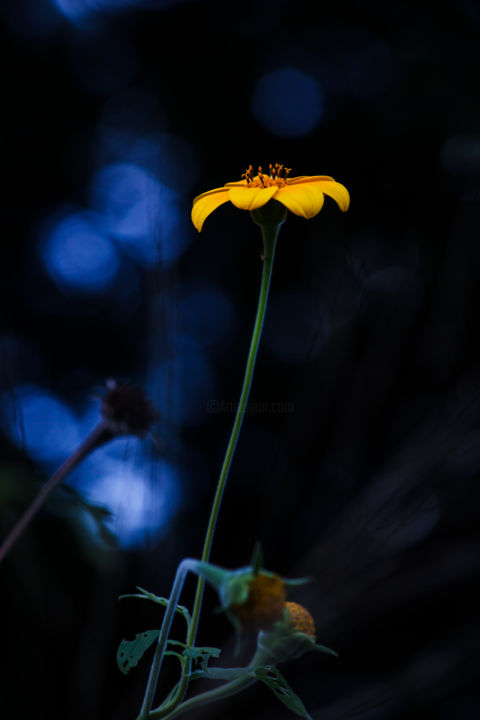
point(177, 586)
point(99, 435)
point(220, 693)
point(270, 236)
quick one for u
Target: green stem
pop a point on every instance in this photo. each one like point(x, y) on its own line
point(220, 693)
point(177, 586)
point(269, 235)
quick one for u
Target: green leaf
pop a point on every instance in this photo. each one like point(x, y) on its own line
point(131, 651)
point(201, 655)
point(274, 680)
point(146, 595)
point(257, 559)
point(325, 649)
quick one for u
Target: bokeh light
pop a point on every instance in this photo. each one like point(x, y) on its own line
point(73, 9)
point(139, 212)
point(208, 316)
point(78, 255)
point(24, 423)
point(78, 10)
point(185, 387)
point(127, 115)
point(142, 494)
point(288, 102)
point(170, 157)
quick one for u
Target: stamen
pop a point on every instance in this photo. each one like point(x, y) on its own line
point(278, 175)
point(248, 174)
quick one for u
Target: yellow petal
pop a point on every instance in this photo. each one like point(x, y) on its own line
point(308, 178)
point(303, 199)
point(236, 183)
point(338, 192)
point(247, 198)
point(205, 204)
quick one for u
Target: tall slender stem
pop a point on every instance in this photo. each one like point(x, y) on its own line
point(270, 236)
point(97, 437)
point(270, 245)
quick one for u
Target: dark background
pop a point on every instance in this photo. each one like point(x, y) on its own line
point(359, 464)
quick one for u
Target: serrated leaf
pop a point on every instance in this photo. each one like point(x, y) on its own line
point(146, 595)
point(275, 681)
point(201, 655)
point(131, 651)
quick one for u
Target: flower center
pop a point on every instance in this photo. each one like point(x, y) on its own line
point(278, 175)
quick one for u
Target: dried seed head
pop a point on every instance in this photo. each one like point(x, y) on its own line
point(127, 410)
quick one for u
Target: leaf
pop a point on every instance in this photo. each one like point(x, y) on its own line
point(257, 559)
point(146, 595)
point(131, 651)
point(325, 649)
point(274, 680)
point(201, 655)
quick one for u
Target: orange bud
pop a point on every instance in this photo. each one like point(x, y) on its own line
point(264, 605)
point(301, 619)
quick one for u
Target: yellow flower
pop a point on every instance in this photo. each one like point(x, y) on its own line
point(301, 195)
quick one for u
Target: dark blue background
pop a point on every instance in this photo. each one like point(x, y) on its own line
point(358, 465)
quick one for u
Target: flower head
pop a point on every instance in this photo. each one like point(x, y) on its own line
point(127, 410)
point(303, 195)
point(292, 636)
point(300, 619)
point(264, 604)
point(253, 598)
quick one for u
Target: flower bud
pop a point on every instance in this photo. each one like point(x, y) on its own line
point(253, 598)
point(285, 641)
point(292, 636)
